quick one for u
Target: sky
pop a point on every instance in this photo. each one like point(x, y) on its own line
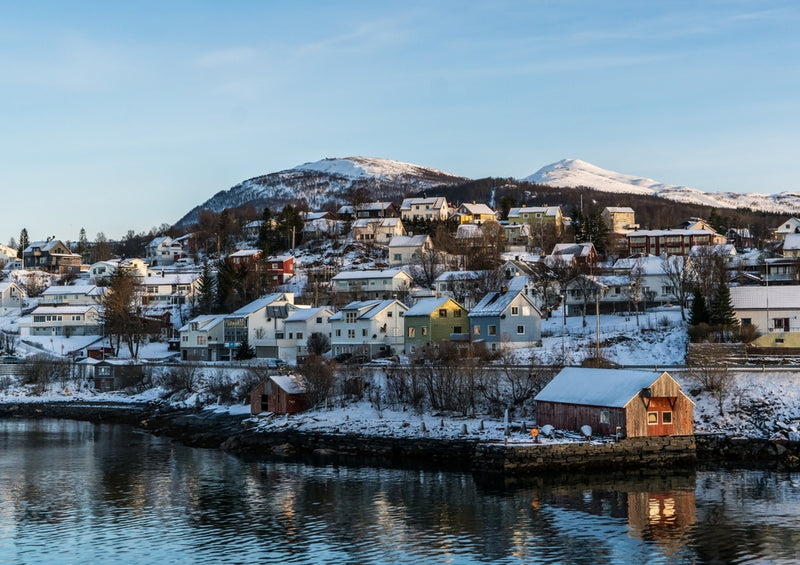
point(121, 116)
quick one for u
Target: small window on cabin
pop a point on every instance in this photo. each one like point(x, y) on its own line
point(424, 330)
point(443, 313)
point(652, 418)
point(515, 310)
point(747, 321)
point(520, 330)
point(605, 417)
point(476, 330)
point(492, 330)
point(666, 417)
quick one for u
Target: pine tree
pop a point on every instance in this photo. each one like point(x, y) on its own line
point(245, 350)
point(699, 313)
point(83, 243)
point(721, 314)
point(206, 289)
point(23, 242)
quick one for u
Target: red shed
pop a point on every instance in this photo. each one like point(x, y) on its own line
point(280, 394)
point(630, 402)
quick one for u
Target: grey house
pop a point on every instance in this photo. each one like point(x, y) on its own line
point(506, 319)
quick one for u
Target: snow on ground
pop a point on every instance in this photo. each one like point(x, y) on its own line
point(756, 400)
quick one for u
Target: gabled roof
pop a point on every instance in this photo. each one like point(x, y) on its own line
point(460, 276)
point(426, 306)
point(204, 322)
point(791, 242)
point(304, 314)
point(433, 202)
point(619, 210)
point(289, 384)
point(367, 309)
point(170, 279)
point(369, 274)
point(83, 289)
point(495, 303)
point(64, 309)
point(257, 304)
point(574, 249)
point(765, 297)
point(545, 210)
point(409, 240)
point(597, 387)
point(477, 209)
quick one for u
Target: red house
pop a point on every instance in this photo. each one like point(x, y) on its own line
point(280, 268)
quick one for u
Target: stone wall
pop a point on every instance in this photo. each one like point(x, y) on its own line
point(631, 453)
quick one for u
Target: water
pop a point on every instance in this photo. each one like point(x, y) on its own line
point(75, 492)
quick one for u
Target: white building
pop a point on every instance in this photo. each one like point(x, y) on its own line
point(373, 328)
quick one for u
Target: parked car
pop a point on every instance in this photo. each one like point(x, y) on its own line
point(342, 357)
point(275, 363)
point(357, 360)
point(11, 359)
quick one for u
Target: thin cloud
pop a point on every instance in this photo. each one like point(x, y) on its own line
point(226, 57)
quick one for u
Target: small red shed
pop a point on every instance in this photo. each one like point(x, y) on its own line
point(279, 394)
point(632, 403)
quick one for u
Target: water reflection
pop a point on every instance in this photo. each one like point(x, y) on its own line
point(77, 492)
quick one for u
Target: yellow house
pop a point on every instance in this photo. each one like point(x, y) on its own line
point(475, 214)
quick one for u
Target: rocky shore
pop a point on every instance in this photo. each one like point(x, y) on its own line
point(208, 429)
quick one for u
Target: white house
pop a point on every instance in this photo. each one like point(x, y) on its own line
point(377, 230)
point(372, 284)
point(792, 225)
point(77, 295)
point(402, 248)
point(434, 208)
point(203, 339)
point(62, 320)
point(769, 308)
point(10, 297)
point(302, 323)
point(168, 290)
point(262, 321)
point(373, 328)
point(163, 251)
point(101, 270)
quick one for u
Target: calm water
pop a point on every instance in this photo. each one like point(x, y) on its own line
point(74, 492)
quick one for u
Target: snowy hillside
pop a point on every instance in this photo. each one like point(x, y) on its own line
point(327, 182)
point(574, 173)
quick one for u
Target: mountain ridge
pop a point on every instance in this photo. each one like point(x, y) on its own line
point(334, 181)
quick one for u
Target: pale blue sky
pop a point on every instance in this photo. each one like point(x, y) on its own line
point(119, 116)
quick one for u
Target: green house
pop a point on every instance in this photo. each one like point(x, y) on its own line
point(435, 320)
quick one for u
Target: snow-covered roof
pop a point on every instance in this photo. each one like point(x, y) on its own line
point(619, 210)
point(367, 309)
point(204, 322)
point(59, 310)
point(649, 264)
point(574, 249)
point(373, 206)
point(495, 303)
point(433, 202)
point(289, 383)
point(468, 231)
point(659, 233)
point(369, 274)
point(725, 249)
point(425, 306)
point(246, 253)
point(365, 222)
point(304, 314)
point(408, 241)
point(257, 304)
point(476, 209)
point(83, 289)
point(597, 387)
point(791, 241)
point(544, 210)
point(459, 275)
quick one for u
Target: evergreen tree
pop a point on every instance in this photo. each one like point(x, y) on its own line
point(206, 289)
point(83, 243)
point(721, 314)
point(227, 287)
point(699, 312)
point(23, 242)
point(245, 350)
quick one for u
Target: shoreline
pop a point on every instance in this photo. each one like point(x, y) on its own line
point(207, 429)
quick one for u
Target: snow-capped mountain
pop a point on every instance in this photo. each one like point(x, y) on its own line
point(574, 173)
point(328, 181)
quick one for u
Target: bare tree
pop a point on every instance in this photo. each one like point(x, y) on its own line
point(712, 377)
point(680, 279)
point(635, 288)
point(319, 378)
point(426, 266)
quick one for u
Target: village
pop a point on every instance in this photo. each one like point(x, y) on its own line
point(466, 311)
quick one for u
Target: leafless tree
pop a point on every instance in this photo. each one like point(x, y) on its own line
point(712, 377)
point(319, 378)
point(680, 279)
point(426, 266)
point(635, 287)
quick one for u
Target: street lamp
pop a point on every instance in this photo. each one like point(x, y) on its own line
point(563, 328)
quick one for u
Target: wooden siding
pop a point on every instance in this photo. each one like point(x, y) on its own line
point(573, 416)
point(664, 391)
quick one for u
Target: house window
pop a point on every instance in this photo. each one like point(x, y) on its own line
point(185, 338)
point(605, 417)
point(492, 330)
point(291, 335)
point(363, 332)
point(515, 310)
point(456, 313)
point(201, 340)
point(652, 418)
point(389, 314)
point(520, 330)
point(443, 313)
point(412, 332)
point(666, 417)
point(476, 330)
point(350, 317)
point(338, 333)
point(351, 334)
point(424, 330)
point(747, 321)
point(319, 320)
point(299, 335)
